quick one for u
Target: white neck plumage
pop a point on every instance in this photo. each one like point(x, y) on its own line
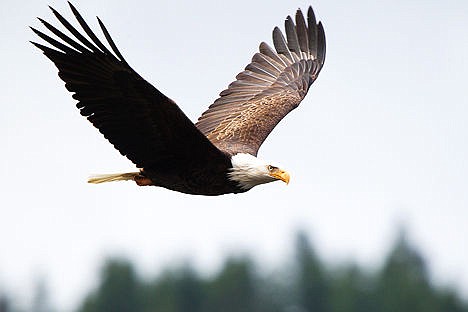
point(249, 171)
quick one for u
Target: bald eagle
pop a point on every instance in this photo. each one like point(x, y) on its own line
point(216, 155)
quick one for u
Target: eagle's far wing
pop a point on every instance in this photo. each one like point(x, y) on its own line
point(142, 123)
point(272, 85)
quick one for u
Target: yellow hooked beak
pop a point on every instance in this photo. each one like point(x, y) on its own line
point(280, 175)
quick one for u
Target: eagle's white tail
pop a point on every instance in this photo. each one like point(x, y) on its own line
point(101, 178)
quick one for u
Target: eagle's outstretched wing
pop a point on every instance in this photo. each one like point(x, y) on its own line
point(272, 85)
point(142, 123)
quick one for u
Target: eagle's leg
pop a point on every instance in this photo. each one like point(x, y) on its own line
point(142, 180)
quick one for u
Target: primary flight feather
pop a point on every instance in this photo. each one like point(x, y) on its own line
point(218, 154)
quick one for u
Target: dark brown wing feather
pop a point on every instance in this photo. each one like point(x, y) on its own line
point(141, 122)
point(272, 85)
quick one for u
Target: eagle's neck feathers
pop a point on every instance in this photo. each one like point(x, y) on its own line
point(249, 171)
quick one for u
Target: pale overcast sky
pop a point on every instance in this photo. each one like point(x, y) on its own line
point(381, 139)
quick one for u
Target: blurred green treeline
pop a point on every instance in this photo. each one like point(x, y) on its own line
point(305, 284)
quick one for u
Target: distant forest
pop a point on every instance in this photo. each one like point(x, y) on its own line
point(306, 284)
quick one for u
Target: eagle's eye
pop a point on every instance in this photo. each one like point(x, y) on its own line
point(271, 168)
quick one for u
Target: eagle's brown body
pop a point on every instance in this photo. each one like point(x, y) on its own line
point(191, 178)
point(153, 132)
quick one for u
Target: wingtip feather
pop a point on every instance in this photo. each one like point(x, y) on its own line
point(72, 7)
point(53, 10)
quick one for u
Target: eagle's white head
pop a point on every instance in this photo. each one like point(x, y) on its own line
point(249, 171)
